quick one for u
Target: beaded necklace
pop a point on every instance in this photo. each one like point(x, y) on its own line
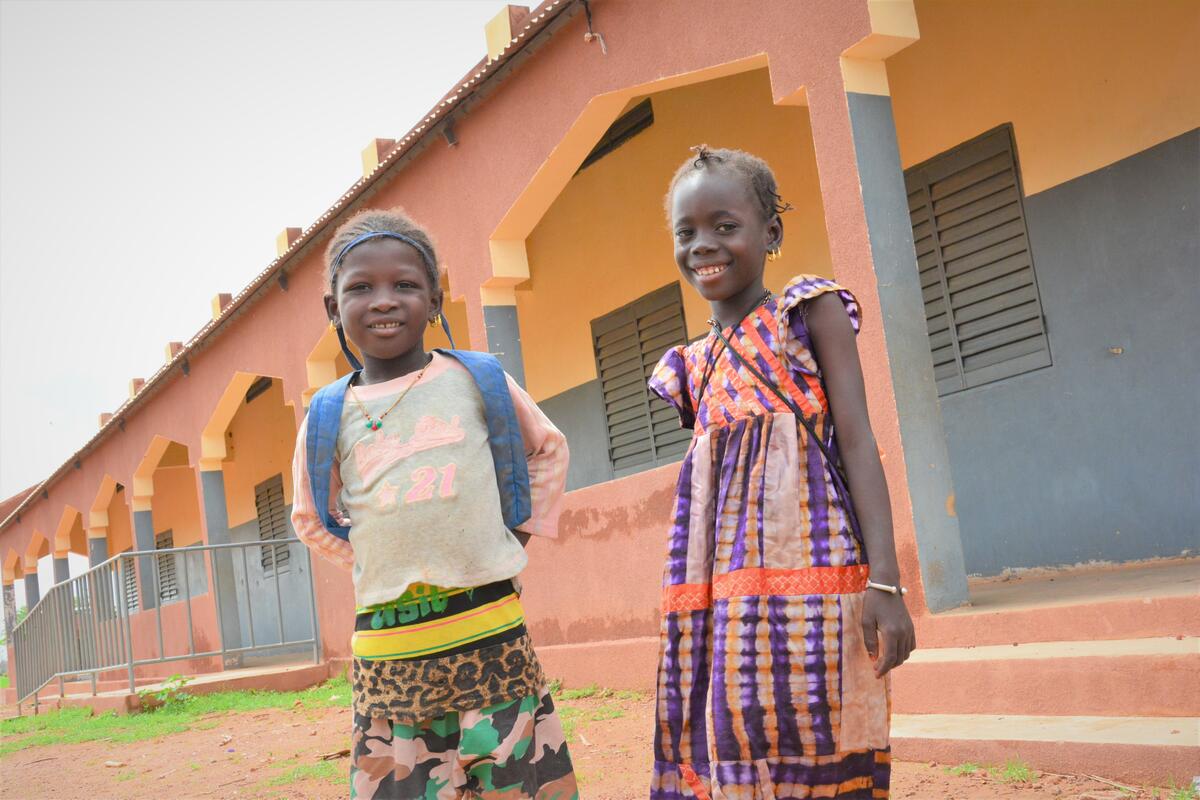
point(374, 423)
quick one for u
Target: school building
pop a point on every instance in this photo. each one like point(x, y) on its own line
point(1009, 187)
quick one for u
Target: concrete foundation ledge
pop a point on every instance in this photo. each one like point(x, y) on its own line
point(287, 678)
point(613, 664)
point(1097, 678)
point(1155, 750)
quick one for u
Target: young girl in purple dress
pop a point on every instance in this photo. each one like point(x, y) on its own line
point(782, 606)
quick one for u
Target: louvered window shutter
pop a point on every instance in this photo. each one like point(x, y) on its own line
point(272, 524)
point(982, 308)
point(643, 431)
point(168, 586)
point(131, 584)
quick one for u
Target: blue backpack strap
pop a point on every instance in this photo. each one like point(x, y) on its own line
point(324, 420)
point(504, 433)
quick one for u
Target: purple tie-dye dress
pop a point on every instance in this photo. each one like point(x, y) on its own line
point(765, 688)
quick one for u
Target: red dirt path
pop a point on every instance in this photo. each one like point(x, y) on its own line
point(611, 748)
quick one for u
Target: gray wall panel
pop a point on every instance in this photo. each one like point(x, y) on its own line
point(1096, 457)
point(504, 339)
point(579, 414)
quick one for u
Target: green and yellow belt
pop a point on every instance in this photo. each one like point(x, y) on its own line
point(428, 621)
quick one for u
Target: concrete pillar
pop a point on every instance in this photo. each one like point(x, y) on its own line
point(32, 594)
point(62, 570)
point(143, 539)
point(216, 518)
point(504, 330)
point(898, 283)
point(97, 548)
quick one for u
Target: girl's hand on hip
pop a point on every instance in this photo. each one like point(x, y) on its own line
point(888, 630)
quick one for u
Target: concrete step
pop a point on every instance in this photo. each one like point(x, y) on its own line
point(1153, 750)
point(277, 678)
point(1134, 601)
point(83, 687)
point(1146, 677)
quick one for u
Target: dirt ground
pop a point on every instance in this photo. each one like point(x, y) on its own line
point(275, 754)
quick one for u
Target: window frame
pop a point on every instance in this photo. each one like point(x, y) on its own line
point(919, 179)
point(650, 350)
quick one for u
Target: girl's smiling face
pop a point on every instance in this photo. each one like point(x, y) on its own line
point(384, 301)
point(721, 238)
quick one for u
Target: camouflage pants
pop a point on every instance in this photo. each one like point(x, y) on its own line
point(514, 750)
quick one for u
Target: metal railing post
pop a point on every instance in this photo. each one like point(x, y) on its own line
point(187, 583)
point(128, 630)
point(278, 598)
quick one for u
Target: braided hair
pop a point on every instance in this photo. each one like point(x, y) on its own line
point(751, 169)
point(379, 221)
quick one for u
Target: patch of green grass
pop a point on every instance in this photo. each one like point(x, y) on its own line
point(592, 691)
point(1015, 771)
point(606, 711)
point(193, 766)
point(72, 725)
point(126, 775)
point(579, 694)
point(964, 769)
point(3, 681)
point(569, 717)
point(1179, 793)
point(328, 771)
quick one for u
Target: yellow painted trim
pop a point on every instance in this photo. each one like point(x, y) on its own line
point(62, 535)
point(212, 438)
point(141, 503)
point(498, 295)
point(219, 302)
point(98, 532)
point(30, 570)
point(865, 77)
point(893, 28)
point(285, 238)
point(510, 262)
point(498, 33)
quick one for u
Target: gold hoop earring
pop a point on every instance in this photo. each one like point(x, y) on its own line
point(774, 254)
point(433, 323)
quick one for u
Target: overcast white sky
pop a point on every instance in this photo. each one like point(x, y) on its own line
point(149, 154)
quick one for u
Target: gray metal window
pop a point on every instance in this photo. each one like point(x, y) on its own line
point(643, 431)
point(168, 584)
point(982, 308)
point(272, 524)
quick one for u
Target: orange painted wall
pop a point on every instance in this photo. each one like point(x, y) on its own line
point(175, 506)
point(605, 242)
point(1084, 84)
point(120, 525)
point(612, 539)
point(259, 443)
point(78, 537)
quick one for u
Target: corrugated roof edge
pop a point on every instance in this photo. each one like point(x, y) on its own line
point(537, 22)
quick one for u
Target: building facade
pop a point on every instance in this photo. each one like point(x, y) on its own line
point(1010, 189)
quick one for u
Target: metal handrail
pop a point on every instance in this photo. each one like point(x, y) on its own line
point(83, 625)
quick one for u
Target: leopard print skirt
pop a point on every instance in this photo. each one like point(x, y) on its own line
point(434, 651)
point(411, 691)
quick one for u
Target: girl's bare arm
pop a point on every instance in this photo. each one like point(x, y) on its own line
point(837, 354)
